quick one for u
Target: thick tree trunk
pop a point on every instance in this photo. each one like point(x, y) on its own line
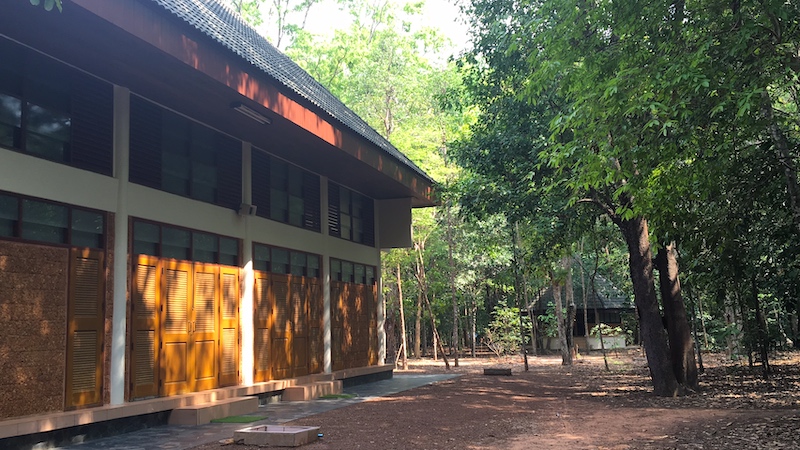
point(684, 364)
point(452, 279)
point(566, 355)
point(652, 329)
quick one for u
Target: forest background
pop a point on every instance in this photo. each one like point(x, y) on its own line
point(653, 145)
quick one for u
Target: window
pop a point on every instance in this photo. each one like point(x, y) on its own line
point(43, 221)
point(350, 215)
point(284, 261)
point(180, 243)
point(175, 154)
point(285, 193)
point(350, 272)
point(53, 112)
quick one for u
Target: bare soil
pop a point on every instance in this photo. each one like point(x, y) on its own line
point(579, 407)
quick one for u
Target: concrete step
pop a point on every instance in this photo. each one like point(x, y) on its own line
point(311, 391)
point(202, 413)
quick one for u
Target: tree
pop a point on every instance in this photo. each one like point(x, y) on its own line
point(48, 4)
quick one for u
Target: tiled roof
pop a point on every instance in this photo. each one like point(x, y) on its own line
point(226, 27)
point(608, 296)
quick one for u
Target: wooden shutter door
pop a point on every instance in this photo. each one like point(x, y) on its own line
point(337, 324)
point(316, 328)
point(372, 311)
point(300, 327)
point(261, 326)
point(145, 320)
point(281, 328)
point(203, 336)
point(177, 370)
point(85, 328)
point(229, 326)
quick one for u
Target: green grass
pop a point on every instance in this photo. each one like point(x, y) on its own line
point(335, 396)
point(239, 419)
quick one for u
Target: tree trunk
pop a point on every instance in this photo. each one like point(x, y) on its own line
point(437, 342)
point(569, 320)
point(404, 343)
point(652, 329)
point(452, 277)
point(566, 356)
point(684, 364)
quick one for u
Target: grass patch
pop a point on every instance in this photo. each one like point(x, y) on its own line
point(238, 419)
point(335, 396)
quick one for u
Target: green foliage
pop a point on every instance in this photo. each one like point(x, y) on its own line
point(48, 4)
point(503, 333)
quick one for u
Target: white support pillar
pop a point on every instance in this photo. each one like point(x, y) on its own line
point(381, 301)
point(119, 310)
point(246, 305)
point(326, 278)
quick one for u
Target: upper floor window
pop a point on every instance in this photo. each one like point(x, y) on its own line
point(53, 112)
point(55, 223)
point(285, 193)
point(350, 215)
point(284, 261)
point(180, 243)
point(175, 154)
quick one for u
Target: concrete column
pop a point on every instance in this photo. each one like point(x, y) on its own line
point(248, 277)
point(381, 301)
point(119, 310)
point(326, 278)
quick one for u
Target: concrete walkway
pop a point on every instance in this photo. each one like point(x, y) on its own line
point(173, 437)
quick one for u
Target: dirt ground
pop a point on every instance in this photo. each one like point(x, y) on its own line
point(579, 407)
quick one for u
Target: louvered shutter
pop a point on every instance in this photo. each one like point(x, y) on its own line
point(145, 143)
point(229, 176)
point(144, 323)
point(334, 228)
point(311, 202)
point(92, 124)
point(261, 319)
point(229, 324)
point(85, 329)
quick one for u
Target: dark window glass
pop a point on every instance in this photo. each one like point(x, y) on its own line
point(359, 274)
point(145, 238)
point(87, 229)
point(228, 251)
point(9, 215)
point(261, 258)
point(336, 270)
point(48, 133)
point(44, 222)
point(204, 247)
point(313, 266)
point(347, 271)
point(370, 275)
point(280, 260)
point(10, 121)
point(175, 243)
point(298, 264)
point(278, 197)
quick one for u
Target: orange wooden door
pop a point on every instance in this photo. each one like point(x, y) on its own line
point(177, 370)
point(300, 328)
point(85, 330)
point(261, 325)
point(229, 327)
point(281, 336)
point(145, 321)
point(203, 337)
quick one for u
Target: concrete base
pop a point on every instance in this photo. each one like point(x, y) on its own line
point(500, 372)
point(311, 391)
point(206, 412)
point(277, 435)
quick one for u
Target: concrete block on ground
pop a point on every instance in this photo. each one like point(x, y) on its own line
point(276, 435)
point(311, 391)
point(497, 372)
point(206, 412)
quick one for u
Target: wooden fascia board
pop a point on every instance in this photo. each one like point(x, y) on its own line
point(153, 28)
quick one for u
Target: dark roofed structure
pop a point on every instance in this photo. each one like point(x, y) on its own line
point(607, 296)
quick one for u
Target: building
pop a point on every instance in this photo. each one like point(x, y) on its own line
point(182, 208)
point(606, 304)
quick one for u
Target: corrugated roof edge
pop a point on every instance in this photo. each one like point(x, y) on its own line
point(223, 25)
